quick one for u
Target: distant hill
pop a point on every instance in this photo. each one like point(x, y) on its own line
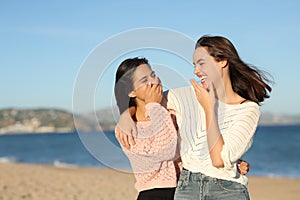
point(35, 121)
point(106, 120)
point(269, 119)
point(13, 121)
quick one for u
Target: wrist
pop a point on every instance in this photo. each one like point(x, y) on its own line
point(209, 114)
point(209, 110)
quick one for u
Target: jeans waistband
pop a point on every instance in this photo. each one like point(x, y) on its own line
point(196, 176)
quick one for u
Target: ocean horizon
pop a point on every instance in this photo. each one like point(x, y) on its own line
point(275, 151)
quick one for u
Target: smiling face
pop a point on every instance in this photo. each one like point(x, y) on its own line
point(206, 67)
point(142, 76)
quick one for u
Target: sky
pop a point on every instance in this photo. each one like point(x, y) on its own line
point(46, 44)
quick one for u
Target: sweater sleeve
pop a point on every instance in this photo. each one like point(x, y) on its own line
point(157, 139)
point(239, 136)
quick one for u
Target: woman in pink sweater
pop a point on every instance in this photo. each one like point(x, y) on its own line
point(153, 155)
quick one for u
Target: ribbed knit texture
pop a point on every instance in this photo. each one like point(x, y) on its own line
point(152, 157)
point(237, 124)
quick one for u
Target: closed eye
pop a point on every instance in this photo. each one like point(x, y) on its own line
point(153, 74)
point(144, 80)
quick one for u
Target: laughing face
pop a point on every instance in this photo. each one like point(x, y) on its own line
point(207, 69)
point(142, 77)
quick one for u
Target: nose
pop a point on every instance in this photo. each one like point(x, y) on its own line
point(197, 70)
point(154, 80)
point(199, 73)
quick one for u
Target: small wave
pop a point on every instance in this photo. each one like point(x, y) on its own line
point(58, 163)
point(8, 159)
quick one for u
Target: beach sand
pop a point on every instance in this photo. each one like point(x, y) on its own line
point(40, 182)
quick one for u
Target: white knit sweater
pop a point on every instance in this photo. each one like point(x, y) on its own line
point(237, 125)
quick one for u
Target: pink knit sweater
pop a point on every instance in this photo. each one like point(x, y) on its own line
point(153, 156)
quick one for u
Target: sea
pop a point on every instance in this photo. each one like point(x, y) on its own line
point(275, 151)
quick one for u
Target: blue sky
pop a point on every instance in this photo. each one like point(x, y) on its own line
point(44, 43)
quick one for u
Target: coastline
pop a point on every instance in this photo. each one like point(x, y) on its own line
point(28, 181)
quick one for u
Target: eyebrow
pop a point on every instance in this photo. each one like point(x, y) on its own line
point(144, 77)
point(198, 61)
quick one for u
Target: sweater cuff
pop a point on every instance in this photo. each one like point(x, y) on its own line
point(230, 168)
point(151, 104)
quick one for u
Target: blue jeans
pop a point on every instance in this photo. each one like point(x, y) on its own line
point(197, 186)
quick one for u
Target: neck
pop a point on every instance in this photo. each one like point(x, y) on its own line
point(225, 93)
point(140, 111)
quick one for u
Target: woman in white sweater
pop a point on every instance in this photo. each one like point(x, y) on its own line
point(217, 120)
point(229, 96)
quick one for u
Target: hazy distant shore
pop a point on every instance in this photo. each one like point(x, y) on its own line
point(15, 121)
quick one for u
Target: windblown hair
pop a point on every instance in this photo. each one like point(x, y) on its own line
point(247, 80)
point(124, 82)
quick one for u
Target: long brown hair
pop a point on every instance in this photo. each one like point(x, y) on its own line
point(247, 80)
point(124, 83)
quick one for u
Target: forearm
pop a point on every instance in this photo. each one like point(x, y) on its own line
point(214, 139)
point(236, 138)
point(127, 129)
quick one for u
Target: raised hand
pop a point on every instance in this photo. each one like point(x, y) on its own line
point(205, 97)
point(153, 93)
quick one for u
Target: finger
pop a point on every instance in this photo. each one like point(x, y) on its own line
point(134, 131)
point(158, 89)
point(240, 169)
point(155, 86)
point(131, 140)
point(117, 134)
point(244, 170)
point(155, 90)
point(196, 86)
point(124, 139)
point(194, 82)
point(148, 87)
point(243, 163)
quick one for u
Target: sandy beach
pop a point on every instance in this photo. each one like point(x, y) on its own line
point(25, 181)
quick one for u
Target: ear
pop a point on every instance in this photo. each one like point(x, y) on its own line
point(132, 94)
point(223, 63)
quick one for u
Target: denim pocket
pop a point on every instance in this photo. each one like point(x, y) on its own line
point(179, 184)
point(231, 186)
point(183, 180)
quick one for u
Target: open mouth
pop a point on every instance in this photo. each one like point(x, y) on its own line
point(203, 78)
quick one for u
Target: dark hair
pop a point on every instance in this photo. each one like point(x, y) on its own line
point(248, 81)
point(124, 83)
